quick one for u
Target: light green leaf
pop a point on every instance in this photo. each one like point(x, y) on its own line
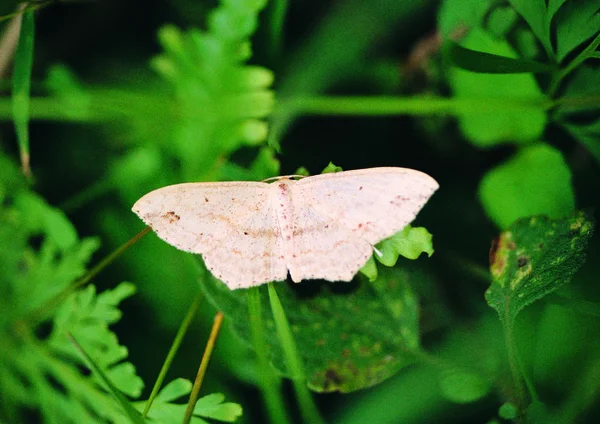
point(44, 374)
point(350, 335)
point(212, 406)
point(535, 181)
point(486, 128)
point(174, 390)
point(534, 257)
point(461, 386)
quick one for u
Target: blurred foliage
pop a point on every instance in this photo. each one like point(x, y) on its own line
point(113, 99)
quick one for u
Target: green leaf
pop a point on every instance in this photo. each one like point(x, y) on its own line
point(534, 257)
point(535, 181)
point(539, 16)
point(462, 386)
point(487, 128)
point(133, 415)
point(221, 101)
point(475, 61)
point(212, 406)
point(508, 411)
point(454, 16)
point(43, 374)
point(86, 316)
point(164, 411)
point(349, 335)
point(331, 168)
point(576, 22)
point(22, 85)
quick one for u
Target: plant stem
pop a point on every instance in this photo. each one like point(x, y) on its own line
point(21, 86)
point(278, 12)
point(43, 311)
point(308, 409)
point(381, 105)
point(172, 352)
point(210, 345)
point(270, 383)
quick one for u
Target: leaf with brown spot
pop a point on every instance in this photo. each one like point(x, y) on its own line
point(534, 257)
point(350, 336)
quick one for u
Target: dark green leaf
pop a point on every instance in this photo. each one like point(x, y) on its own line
point(349, 335)
point(576, 22)
point(480, 62)
point(535, 181)
point(534, 257)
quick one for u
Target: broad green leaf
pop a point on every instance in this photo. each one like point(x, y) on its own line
point(480, 62)
point(349, 335)
point(486, 128)
point(536, 181)
point(534, 257)
point(576, 22)
point(462, 386)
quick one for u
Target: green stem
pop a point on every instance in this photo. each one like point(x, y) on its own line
point(21, 86)
point(381, 105)
point(524, 392)
point(588, 52)
point(278, 12)
point(308, 409)
point(172, 352)
point(210, 345)
point(270, 384)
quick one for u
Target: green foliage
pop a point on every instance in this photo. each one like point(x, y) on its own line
point(43, 373)
point(487, 128)
point(536, 181)
point(464, 387)
point(203, 110)
point(534, 257)
point(348, 337)
point(165, 411)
